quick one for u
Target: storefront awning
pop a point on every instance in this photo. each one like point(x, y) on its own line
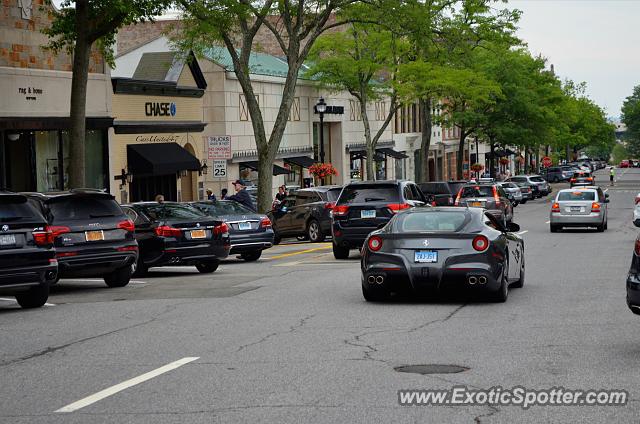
point(390, 152)
point(277, 170)
point(160, 159)
point(379, 155)
point(303, 161)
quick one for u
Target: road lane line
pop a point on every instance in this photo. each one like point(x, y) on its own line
point(286, 255)
point(523, 232)
point(548, 222)
point(89, 400)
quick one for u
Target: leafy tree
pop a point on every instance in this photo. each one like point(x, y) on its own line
point(77, 27)
point(631, 118)
point(295, 26)
point(362, 60)
point(619, 153)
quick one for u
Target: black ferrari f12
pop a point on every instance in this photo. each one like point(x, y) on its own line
point(424, 249)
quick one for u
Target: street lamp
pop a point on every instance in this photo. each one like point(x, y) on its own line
point(204, 169)
point(321, 108)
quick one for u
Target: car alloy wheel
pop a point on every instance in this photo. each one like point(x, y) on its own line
point(314, 232)
point(503, 291)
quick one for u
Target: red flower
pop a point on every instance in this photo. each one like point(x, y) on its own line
point(322, 170)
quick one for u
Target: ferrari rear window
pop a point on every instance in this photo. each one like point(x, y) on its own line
point(576, 195)
point(432, 221)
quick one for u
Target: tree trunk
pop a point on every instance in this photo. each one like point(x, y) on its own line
point(425, 142)
point(370, 145)
point(537, 170)
point(266, 157)
point(527, 159)
point(463, 136)
point(77, 110)
point(492, 167)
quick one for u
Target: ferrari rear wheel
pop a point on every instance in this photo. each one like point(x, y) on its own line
point(503, 292)
point(520, 282)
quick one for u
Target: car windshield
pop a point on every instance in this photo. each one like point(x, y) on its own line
point(363, 193)
point(172, 211)
point(477, 191)
point(576, 195)
point(581, 175)
point(14, 208)
point(82, 207)
point(223, 208)
point(509, 185)
point(431, 221)
point(537, 179)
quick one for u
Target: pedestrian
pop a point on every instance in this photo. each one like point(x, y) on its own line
point(223, 194)
point(282, 193)
point(160, 198)
point(210, 195)
point(612, 176)
point(241, 196)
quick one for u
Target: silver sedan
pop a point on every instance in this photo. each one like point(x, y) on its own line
point(579, 207)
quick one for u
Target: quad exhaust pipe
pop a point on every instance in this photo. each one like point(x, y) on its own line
point(375, 279)
point(473, 280)
point(482, 279)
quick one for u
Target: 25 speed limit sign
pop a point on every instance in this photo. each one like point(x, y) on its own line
point(219, 168)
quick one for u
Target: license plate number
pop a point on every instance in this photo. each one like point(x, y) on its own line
point(368, 214)
point(476, 204)
point(198, 234)
point(426, 256)
point(576, 209)
point(244, 225)
point(94, 235)
point(7, 240)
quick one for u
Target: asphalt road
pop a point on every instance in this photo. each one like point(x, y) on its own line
point(290, 339)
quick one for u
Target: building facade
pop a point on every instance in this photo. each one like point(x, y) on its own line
point(34, 106)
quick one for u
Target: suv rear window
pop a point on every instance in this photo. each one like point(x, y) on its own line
point(576, 195)
point(363, 193)
point(477, 191)
point(435, 188)
point(582, 174)
point(431, 221)
point(14, 208)
point(223, 208)
point(172, 211)
point(82, 207)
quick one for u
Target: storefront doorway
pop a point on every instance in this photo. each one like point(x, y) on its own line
point(147, 188)
point(186, 180)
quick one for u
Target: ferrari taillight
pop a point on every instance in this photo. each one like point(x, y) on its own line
point(374, 243)
point(480, 243)
point(637, 247)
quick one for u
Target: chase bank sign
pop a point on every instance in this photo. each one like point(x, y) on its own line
point(160, 109)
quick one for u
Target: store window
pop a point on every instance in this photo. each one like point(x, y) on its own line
point(48, 170)
point(381, 169)
point(400, 168)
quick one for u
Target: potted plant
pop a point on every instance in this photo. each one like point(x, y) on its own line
point(322, 170)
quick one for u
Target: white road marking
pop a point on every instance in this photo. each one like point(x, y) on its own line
point(89, 400)
point(522, 232)
point(15, 301)
point(288, 263)
point(97, 280)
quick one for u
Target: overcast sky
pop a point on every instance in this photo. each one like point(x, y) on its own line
point(595, 41)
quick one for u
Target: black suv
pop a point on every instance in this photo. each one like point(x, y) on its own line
point(27, 257)
point(442, 193)
point(172, 233)
point(92, 235)
point(366, 206)
point(305, 214)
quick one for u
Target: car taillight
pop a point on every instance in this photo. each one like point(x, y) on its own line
point(573, 180)
point(637, 247)
point(496, 198)
point(222, 228)
point(480, 243)
point(127, 249)
point(167, 231)
point(457, 202)
point(589, 179)
point(43, 238)
point(58, 230)
point(434, 204)
point(595, 207)
point(127, 225)
point(375, 243)
point(637, 199)
point(265, 223)
point(397, 207)
point(329, 205)
point(340, 210)
point(555, 207)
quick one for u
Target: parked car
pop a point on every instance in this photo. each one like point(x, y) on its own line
point(557, 174)
point(364, 206)
point(250, 232)
point(633, 278)
point(27, 257)
point(528, 191)
point(624, 164)
point(580, 207)
point(92, 235)
point(581, 178)
point(514, 193)
point(636, 211)
point(487, 196)
point(172, 233)
point(443, 248)
point(543, 187)
point(442, 193)
point(306, 214)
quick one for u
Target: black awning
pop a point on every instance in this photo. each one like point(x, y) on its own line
point(160, 159)
point(145, 127)
point(390, 152)
point(303, 161)
point(277, 170)
point(52, 123)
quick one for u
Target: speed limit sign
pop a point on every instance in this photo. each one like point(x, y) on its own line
point(219, 168)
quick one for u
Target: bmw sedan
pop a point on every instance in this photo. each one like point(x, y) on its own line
point(443, 248)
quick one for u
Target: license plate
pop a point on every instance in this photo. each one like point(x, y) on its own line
point(426, 256)
point(576, 209)
point(94, 235)
point(476, 204)
point(244, 225)
point(7, 240)
point(368, 214)
point(198, 234)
